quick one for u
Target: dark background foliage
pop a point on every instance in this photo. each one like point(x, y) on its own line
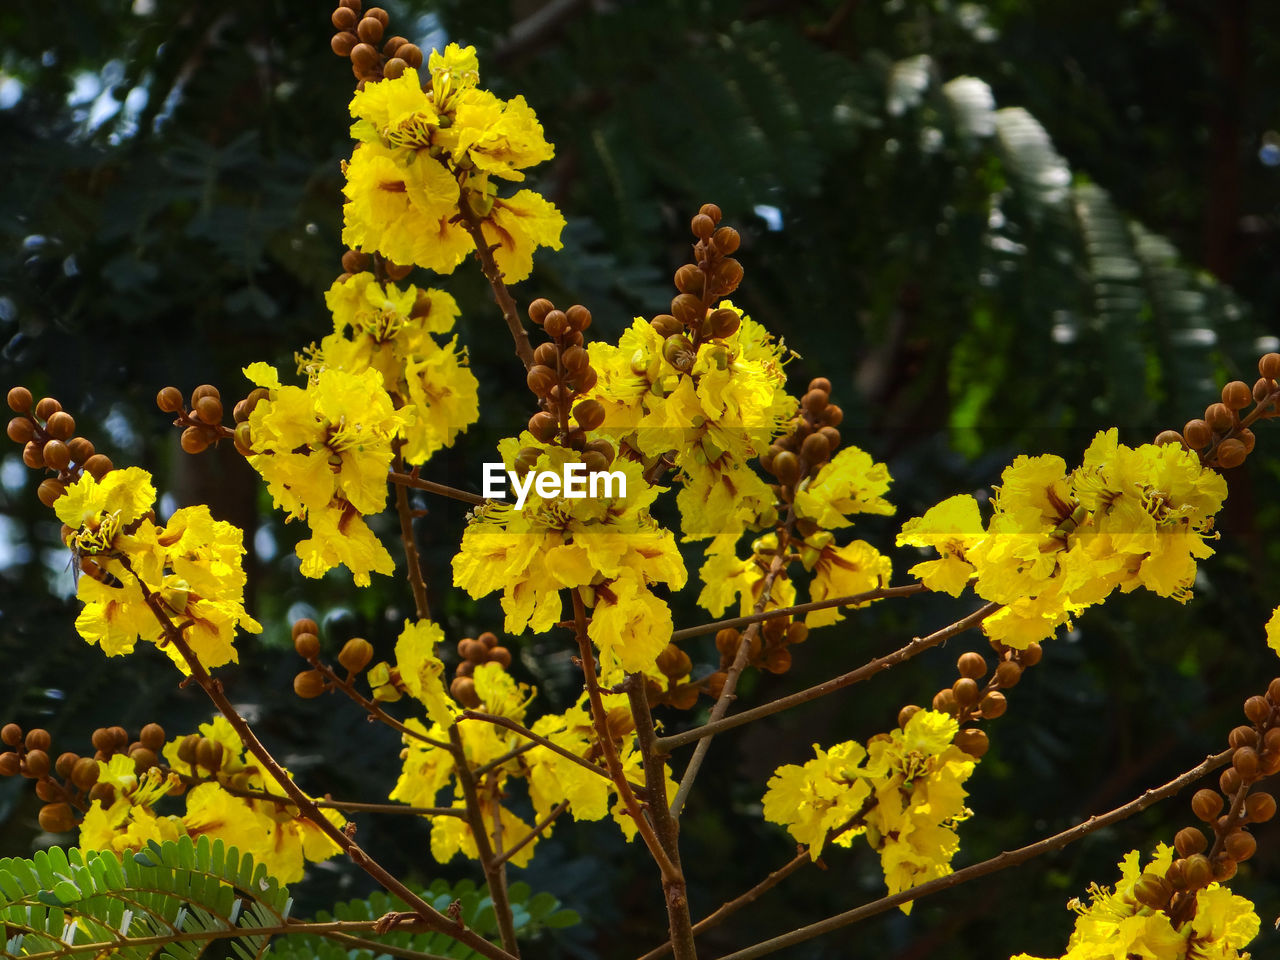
point(997, 227)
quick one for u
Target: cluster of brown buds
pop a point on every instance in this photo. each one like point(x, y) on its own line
point(1256, 756)
point(807, 446)
point(766, 649)
point(560, 377)
point(69, 784)
point(675, 665)
point(358, 35)
point(47, 435)
point(1223, 438)
point(475, 651)
point(202, 423)
point(354, 657)
point(712, 275)
point(970, 700)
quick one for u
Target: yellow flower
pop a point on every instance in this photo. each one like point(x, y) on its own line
point(421, 670)
point(856, 567)
point(951, 528)
point(827, 792)
point(851, 483)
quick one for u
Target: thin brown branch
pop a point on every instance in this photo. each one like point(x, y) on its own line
point(869, 669)
point(728, 694)
point(679, 920)
point(376, 712)
point(986, 867)
point(495, 872)
point(538, 827)
point(501, 295)
point(535, 738)
point(498, 761)
point(412, 479)
point(350, 806)
point(883, 593)
point(599, 719)
point(412, 564)
point(213, 689)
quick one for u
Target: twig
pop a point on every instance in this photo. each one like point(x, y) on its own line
point(213, 688)
point(679, 920)
point(412, 479)
point(869, 669)
point(882, 593)
point(352, 806)
point(484, 253)
point(376, 712)
point(537, 829)
point(540, 741)
point(498, 761)
point(495, 872)
point(414, 568)
point(993, 865)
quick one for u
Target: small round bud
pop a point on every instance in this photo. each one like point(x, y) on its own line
point(307, 645)
point(797, 632)
point(411, 54)
point(61, 426)
point(1189, 841)
point(1230, 781)
point(305, 625)
point(1268, 366)
point(33, 455)
point(1197, 872)
point(501, 656)
point(99, 465)
point(556, 323)
point(209, 409)
point(65, 763)
point(38, 739)
point(727, 240)
point(973, 741)
point(36, 764)
point(540, 379)
point(1257, 710)
point(1247, 437)
point(187, 747)
point(992, 705)
point(204, 390)
point(489, 639)
point(194, 440)
point(778, 660)
point(47, 407)
point(81, 449)
point(1219, 417)
point(726, 277)
point(906, 713)
point(50, 491)
point(1240, 845)
point(85, 773)
point(576, 359)
point(944, 701)
point(579, 317)
point(152, 736)
point(463, 689)
point(1152, 891)
point(369, 30)
point(589, 414)
point(689, 279)
point(19, 400)
point(967, 691)
point(1260, 806)
point(1243, 737)
point(473, 650)
point(688, 309)
point(1030, 656)
point(727, 641)
point(143, 758)
point(543, 426)
point(309, 684)
point(786, 467)
point(1245, 760)
point(1231, 453)
point(20, 430)
point(1166, 437)
point(355, 654)
point(48, 791)
point(547, 354)
point(1197, 434)
point(391, 46)
point(1262, 389)
point(169, 399)
point(702, 226)
point(815, 450)
point(209, 754)
point(972, 665)
point(1206, 804)
point(665, 325)
point(1273, 691)
point(363, 56)
point(242, 437)
point(1237, 395)
point(539, 309)
point(10, 764)
point(710, 210)
point(104, 792)
point(56, 818)
point(344, 18)
point(56, 455)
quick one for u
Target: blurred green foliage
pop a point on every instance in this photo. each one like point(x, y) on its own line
point(996, 227)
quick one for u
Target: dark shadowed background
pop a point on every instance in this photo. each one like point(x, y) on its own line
point(996, 227)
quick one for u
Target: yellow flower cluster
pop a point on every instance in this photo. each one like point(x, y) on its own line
point(192, 564)
point(851, 483)
point(428, 767)
point(383, 327)
point(325, 450)
point(422, 152)
point(1060, 542)
point(711, 414)
point(903, 792)
point(273, 832)
point(1116, 924)
point(608, 547)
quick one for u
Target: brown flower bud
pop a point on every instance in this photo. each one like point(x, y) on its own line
point(689, 279)
point(589, 414)
point(473, 650)
point(973, 741)
point(992, 705)
point(727, 641)
point(1231, 453)
point(152, 736)
point(500, 656)
point(1260, 806)
point(724, 323)
point(1166, 437)
point(81, 449)
point(1153, 891)
point(688, 309)
point(463, 690)
point(833, 415)
point(1230, 781)
point(19, 400)
point(1269, 366)
point(967, 691)
point(1197, 871)
point(10, 764)
point(65, 763)
point(556, 323)
point(355, 654)
point(169, 399)
point(209, 752)
point(906, 713)
point(1197, 434)
point(33, 455)
point(1219, 417)
point(714, 684)
point(47, 407)
point(543, 426)
point(392, 45)
point(816, 450)
point(369, 30)
point(1243, 736)
point(85, 773)
point(305, 625)
point(972, 665)
point(702, 226)
point(1257, 710)
point(143, 758)
point(710, 210)
point(99, 465)
point(363, 56)
point(104, 792)
point(579, 317)
point(50, 490)
point(1262, 389)
point(194, 440)
point(344, 18)
point(576, 359)
point(665, 325)
point(726, 240)
point(60, 426)
point(309, 684)
point(411, 54)
point(944, 701)
point(1190, 840)
point(56, 818)
point(307, 645)
point(11, 734)
point(393, 68)
point(539, 309)
point(38, 739)
point(1240, 845)
point(1237, 395)
point(540, 379)
point(21, 430)
point(35, 764)
point(1030, 656)
point(678, 351)
point(209, 409)
point(1206, 804)
point(726, 277)
point(1247, 437)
